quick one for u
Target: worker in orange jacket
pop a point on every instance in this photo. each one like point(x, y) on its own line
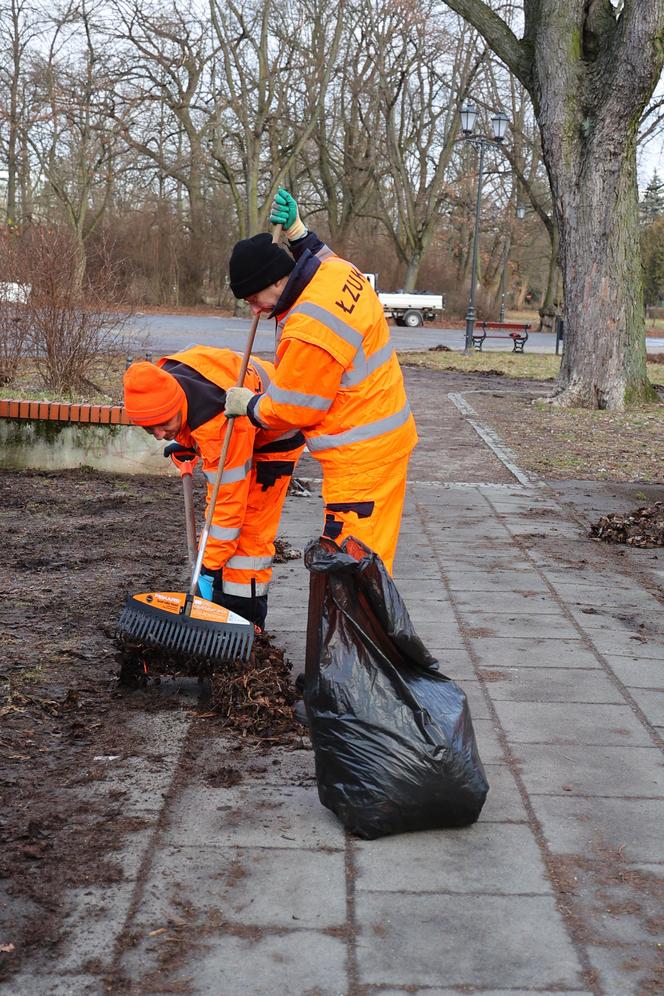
point(182, 397)
point(337, 377)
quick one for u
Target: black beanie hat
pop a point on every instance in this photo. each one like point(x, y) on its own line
point(256, 263)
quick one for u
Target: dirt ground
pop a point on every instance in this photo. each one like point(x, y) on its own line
point(74, 547)
point(76, 544)
point(557, 445)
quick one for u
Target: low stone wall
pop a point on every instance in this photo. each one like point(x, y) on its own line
point(39, 435)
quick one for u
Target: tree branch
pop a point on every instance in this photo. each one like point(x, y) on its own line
point(498, 36)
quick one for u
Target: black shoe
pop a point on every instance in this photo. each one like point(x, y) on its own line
point(299, 683)
point(300, 713)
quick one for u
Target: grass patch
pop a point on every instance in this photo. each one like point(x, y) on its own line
point(102, 387)
point(531, 366)
point(526, 366)
point(581, 443)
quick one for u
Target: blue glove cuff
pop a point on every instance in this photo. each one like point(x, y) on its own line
point(205, 583)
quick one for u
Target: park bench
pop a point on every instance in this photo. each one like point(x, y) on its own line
point(516, 331)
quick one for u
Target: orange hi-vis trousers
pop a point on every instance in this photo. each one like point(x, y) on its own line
point(368, 506)
point(248, 570)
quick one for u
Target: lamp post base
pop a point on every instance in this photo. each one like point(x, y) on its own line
point(470, 329)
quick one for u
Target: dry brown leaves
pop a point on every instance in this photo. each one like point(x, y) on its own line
point(255, 698)
point(643, 527)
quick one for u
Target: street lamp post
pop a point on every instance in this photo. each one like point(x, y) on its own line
point(481, 143)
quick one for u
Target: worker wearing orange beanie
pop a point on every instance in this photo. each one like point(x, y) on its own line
point(182, 398)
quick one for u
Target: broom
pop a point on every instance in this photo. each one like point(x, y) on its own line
point(186, 625)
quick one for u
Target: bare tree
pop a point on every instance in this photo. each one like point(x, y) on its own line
point(162, 107)
point(273, 70)
point(19, 26)
point(339, 162)
point(424, 72)
point(76, 150)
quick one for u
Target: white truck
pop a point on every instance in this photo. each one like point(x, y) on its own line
point(410, 309)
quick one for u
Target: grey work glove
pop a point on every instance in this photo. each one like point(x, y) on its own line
point(237, 400)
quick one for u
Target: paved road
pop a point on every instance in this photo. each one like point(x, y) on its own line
point(162, 334)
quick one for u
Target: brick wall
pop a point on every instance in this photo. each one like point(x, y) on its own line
point(53, 411)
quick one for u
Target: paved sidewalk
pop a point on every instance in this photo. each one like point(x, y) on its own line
point(255, 889)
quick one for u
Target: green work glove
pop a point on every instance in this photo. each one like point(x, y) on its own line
point(237, 399)
point(284, 212)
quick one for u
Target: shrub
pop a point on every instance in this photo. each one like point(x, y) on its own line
point(69, 327)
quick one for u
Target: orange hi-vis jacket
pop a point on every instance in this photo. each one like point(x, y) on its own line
point(338, 377)
point(258, 466)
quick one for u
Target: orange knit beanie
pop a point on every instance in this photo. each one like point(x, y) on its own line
point(151, 396)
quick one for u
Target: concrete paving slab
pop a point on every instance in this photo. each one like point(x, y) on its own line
point(503, 803)
point(574, 825)
point(253, 815)
point(439, 611)
point(139, 784)
point(597, 595)
point(454, 662)
point(282, 620)
point(252, 963)
point(589, 577)
point(407, 569)
point(571, 723)
point(445, 635)
point(532, 652)
point(533, 509)
point(553, 626)
point(421, 592)
point(281, 766)
point(621, 643)
point(482, 858)
point(478, 528)
point(635, 672)
point(542, 684)
point(508, 602)
point(520, 577)
point(485, 992)
point(544, 527)
point(488, 743)
point(638, 621)
point(477, 701)
point(249, 886)
point(629, 772)
point(651, 701)
point(36, 984)
point(496, 942)
point(627, 969)
point(87, 933)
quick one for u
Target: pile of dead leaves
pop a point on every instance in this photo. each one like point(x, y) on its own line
point(255, 698)
point(283, 551)
point(643, 527)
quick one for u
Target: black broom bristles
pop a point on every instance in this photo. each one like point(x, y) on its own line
point(183, 636)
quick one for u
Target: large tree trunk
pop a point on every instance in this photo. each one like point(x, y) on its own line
point(589, 147)
point(590, 69)
point(412, 270)
point(601, 261)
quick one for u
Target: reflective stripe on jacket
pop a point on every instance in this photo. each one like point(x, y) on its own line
point(337, 374)
point(255, 456)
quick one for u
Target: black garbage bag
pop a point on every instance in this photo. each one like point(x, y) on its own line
point(392, 736)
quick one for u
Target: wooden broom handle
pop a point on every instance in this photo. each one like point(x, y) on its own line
point(276, 234)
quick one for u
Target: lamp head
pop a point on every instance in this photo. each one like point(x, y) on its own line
point(499, 122)
point(468, 114)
